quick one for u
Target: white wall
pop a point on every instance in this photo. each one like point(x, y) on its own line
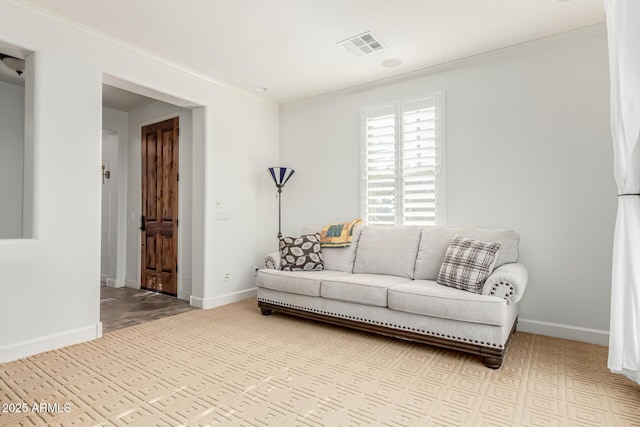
point(528, 147)
point(110, 203)
point(11, 159)
point(50, 282)
point(115, 123)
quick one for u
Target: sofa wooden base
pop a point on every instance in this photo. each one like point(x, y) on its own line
point(491, 357)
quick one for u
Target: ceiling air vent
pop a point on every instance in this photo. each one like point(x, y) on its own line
point(363, 44)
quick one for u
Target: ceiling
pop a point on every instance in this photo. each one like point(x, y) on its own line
point(122, 100)
point(290, 46)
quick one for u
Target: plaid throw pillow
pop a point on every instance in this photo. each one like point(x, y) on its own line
point(468, 263)
point(301, 253)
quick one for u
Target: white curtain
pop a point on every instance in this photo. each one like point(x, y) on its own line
point(623, 27)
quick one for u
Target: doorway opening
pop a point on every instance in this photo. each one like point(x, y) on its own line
point(128, 110)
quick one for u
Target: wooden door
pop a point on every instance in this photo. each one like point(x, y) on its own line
point(160, 207)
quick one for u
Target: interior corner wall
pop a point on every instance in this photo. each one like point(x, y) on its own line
point(50, 283)
point(528, 146)
point(11, 159)
point(110, 205)
point(116, 122)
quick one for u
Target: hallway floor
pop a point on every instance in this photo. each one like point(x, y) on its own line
point(123, 307)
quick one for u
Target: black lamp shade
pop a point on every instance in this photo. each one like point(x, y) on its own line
point(281, 175)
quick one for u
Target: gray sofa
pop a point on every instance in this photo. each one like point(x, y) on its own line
point(385, 282)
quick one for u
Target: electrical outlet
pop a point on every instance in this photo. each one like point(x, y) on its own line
point(227, 276)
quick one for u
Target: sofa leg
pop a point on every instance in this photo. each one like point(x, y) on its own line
point(265, 311)
point(492, 362)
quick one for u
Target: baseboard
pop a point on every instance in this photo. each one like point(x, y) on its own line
point(206, 303)
point(592, 336)
point(112, 283)
point(131, 284)
point(103, 278)
point(50, 342)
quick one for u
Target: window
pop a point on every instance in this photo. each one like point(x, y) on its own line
point(402, 177)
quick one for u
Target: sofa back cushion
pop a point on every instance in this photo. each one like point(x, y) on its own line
point(390, 251)
point(435, 241)
point(338, 259)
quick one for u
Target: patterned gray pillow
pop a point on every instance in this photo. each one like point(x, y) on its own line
point(467, 263)
point(301, 253)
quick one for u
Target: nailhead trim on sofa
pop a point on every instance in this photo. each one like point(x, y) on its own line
point(374, 322)
point(509, 286)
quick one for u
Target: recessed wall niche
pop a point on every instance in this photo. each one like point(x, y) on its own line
point(16, 89)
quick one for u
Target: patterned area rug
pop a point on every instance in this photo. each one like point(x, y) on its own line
point(233, 366)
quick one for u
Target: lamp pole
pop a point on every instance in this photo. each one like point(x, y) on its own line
point(279, 211)
point(280, 177)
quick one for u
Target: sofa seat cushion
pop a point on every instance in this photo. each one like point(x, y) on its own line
point(368, 289)
point(428, 298)
point(295, 282)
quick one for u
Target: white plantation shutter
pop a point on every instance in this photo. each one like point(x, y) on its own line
point(402, 182)
point(380, 164)
point(418, 142)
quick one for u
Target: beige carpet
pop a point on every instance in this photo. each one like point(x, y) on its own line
point(233, 366)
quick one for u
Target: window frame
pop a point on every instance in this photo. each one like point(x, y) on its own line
point(440, 182)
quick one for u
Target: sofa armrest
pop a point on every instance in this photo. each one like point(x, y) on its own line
point(508, 281)
point(272, 261)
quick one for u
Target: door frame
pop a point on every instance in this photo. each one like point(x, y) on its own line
point(185, 189)
point(193, 124)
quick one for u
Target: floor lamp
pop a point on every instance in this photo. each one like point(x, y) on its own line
point(280, 177)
